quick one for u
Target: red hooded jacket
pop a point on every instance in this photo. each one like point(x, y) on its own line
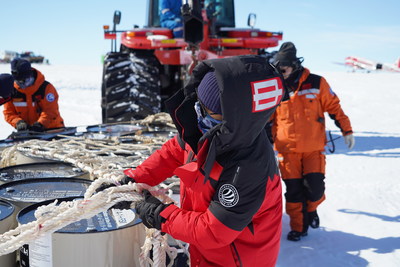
point(231, 206)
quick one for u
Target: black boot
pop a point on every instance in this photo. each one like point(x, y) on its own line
point(314, 219)
point(295, 236)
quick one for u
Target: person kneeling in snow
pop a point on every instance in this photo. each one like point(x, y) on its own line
point(34, 104)
point(231, 196)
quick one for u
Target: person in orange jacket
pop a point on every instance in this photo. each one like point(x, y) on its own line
point(298, 133)
point(34, 104)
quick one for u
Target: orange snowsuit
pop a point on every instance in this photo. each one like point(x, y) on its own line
point(299, 136)
point(36, 103)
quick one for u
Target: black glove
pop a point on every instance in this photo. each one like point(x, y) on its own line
point(123, 181)
point(21, 126)
point(37, 127)
point(123, 205)
point(149, 210)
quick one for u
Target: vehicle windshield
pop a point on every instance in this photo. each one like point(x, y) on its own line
point(222, 10)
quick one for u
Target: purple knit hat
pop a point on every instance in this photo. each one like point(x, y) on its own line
point(208, 93)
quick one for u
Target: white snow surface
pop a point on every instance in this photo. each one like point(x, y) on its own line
point(360, 219)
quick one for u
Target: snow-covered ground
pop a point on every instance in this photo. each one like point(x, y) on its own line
point(360, 219)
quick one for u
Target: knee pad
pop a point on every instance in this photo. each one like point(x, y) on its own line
point(294, 190)
point(315, 185)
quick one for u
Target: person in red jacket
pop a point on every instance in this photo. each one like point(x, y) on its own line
point(230, 191)
point(6, 88)
point(298, 132)
point(34, 104)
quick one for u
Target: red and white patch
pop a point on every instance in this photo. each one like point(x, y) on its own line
point(266, 94)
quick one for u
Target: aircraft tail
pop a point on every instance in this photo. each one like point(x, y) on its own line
point(397, 63)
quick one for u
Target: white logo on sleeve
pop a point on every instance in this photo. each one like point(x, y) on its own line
point(266, 94)
point(228, 195)
point(50, 97)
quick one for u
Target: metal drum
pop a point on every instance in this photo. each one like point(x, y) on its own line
point(23, 193)
point(7, 219)
point(19, 158)
point(40, 170)
point(111, 238)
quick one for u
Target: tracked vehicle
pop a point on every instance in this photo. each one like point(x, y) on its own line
point(151, 65)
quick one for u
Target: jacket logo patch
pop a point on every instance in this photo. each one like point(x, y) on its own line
point(50, 97)
point(266, 94)
point(228, 196)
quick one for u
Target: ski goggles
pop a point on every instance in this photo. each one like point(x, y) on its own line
point(26, 82)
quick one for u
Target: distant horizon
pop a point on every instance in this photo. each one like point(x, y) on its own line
point(324, 33)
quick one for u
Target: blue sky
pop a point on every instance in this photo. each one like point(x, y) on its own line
point(70, 32)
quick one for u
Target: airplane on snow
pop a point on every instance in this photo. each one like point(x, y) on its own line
point(358, 63)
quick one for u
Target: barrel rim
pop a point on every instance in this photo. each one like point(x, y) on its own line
point(8, 204)
point(46, 202)
point(38, 180)
point(49, 179)
point(38, 163)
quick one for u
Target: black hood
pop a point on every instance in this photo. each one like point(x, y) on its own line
point(250, 90)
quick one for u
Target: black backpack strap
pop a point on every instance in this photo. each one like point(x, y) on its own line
point(42, 89)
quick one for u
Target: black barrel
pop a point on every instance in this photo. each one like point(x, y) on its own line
point(7, 222)
point(40, 170)
point(23, 193)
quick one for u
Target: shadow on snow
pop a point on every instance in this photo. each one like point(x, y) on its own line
point(375, 145)
point(332, 248)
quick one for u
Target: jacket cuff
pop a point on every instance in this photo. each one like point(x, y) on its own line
point(168, 210)
point(347, 133)
point(14, 122)
point(130, 173)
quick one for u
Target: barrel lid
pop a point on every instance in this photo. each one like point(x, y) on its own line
point(110, 220)
point(6, 209)
point(39, 170)
point(37, 190)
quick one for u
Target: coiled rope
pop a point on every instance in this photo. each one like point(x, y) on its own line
point(104, 160)
point(53, 217)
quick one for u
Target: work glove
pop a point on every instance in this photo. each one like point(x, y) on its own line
point(149, 210)
point(21, 126)
point(349, 141)
point(37, 127)
point(123, 181)
point(123, 205)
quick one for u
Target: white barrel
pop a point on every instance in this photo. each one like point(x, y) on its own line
point(111, 238)
point(7, 219)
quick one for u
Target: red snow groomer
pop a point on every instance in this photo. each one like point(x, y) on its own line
point(151, 64)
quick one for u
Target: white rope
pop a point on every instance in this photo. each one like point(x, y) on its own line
point(52, 217)
point(103, 161)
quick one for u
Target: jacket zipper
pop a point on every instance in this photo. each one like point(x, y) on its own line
point(237, 254)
